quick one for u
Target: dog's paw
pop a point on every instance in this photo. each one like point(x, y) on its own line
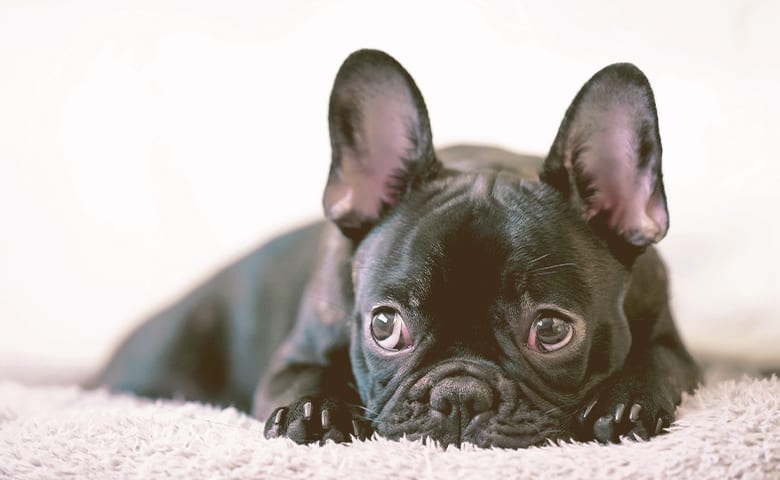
point(316, 420)
point(627, 406)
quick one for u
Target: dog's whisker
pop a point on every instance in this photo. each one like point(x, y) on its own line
point(541, 257)
point(554, 410)
point(368, 414)
point(552, 267)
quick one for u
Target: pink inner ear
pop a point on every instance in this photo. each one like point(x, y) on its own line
point(635, 210)
point(381, 144)
point(386, 130)
point(357, 194)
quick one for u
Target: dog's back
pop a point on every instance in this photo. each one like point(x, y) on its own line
point(210, 345)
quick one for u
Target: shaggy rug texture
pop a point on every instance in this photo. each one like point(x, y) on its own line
point(727, 429)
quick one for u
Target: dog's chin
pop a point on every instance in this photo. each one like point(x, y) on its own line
point(486, 430)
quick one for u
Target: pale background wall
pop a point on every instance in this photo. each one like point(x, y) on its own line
point(144, 143)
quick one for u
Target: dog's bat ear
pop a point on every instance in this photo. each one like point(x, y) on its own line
point(381, 142)
point(606, 159)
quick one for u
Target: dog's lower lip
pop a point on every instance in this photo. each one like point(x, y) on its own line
point(459, 431)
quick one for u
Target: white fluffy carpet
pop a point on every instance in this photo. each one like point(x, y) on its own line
point(728, 429)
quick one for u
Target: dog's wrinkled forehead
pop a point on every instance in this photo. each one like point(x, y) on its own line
point(476, 235)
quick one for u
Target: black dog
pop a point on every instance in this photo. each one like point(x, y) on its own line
point(466, 295)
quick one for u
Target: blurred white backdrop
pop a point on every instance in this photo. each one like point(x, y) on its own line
point(145, 143)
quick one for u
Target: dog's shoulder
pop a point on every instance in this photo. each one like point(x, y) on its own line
point(470, 158)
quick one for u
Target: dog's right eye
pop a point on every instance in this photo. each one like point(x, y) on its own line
point(389, 330)
point(550, 333)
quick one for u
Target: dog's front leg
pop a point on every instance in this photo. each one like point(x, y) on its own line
point(641, 398)
point(308, 394)
point(311, 401)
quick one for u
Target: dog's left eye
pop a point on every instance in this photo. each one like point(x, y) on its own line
point(389, 330)
point(549, 333)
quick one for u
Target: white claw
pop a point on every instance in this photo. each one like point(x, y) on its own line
point(325, 419)
point(633, 416)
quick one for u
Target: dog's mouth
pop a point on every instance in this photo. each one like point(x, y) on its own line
point(456, 406)
point(485, 430)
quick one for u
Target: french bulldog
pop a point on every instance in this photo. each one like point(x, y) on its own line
point(470, 295)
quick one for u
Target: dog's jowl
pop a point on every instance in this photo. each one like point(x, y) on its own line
point(466, 295)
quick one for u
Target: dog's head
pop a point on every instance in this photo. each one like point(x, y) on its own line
point(488, 304)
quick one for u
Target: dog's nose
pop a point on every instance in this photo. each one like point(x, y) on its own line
point(466, 395)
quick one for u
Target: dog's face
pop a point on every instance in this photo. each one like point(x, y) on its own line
point(486, 305)
point(475, 302)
